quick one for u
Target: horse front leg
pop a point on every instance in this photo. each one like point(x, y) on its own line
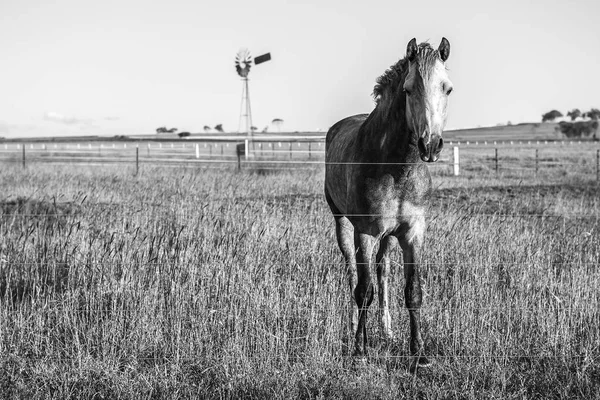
point(346, 241)
point(413, 298)
point(363, 293)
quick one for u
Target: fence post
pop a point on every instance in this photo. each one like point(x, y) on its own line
point(23, 147)
point(536, 161)
point(241, 150)
point(197, 150)
point(496, 158)
point(456, 161)
point(290, 150)
point(137, 160)
point(309, 149)
point(597, 165)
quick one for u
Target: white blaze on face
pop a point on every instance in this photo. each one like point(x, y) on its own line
point(415, 217)
point(426, 106)
point(437, 89)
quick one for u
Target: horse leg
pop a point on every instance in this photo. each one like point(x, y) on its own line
point(363, 293)
point(413, 298)
point(383, 272)
point(344, 231)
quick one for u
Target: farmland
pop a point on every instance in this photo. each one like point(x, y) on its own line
point(528, 147)
point(192, 282)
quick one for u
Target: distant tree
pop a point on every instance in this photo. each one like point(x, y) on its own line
point(594, 113)
point(278, 123)
point(183, 134)
point(551, 115)
point(163, 129)
point(574, 114)
point(206, 128)
point(265, 129)
point(579, 128)
point(219, 128)
point(509, 123)
point(253, 128)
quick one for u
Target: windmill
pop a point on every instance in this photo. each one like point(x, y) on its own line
point(243, 62)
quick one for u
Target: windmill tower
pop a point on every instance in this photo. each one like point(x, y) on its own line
point(243, 62)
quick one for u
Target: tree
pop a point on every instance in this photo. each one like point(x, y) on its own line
point(206, 128)
point(183, 134)
point(219, 128)
point(551, 115)
point(574, 114)
point(594, 113)
point(163, 129)
point(579, 128)
point(278, 123)
point(265, 129)
point(253, 128)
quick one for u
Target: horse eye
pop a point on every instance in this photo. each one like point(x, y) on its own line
point(448, 92)
point(408, 92)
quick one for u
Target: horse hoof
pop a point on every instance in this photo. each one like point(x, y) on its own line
point(389, 338)
point(420, 362)
point(360, 353)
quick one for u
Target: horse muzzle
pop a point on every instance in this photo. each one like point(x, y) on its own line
point(430, 152)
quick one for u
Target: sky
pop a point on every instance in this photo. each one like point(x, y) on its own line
point(78, 67)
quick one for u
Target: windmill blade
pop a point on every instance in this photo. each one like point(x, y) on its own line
point(262, 58)
point(243, 62)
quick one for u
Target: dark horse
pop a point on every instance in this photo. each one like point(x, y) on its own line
point(378, 186)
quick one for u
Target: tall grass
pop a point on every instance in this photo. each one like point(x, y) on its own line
point(191, 283)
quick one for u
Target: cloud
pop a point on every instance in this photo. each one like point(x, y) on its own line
point(56, 117)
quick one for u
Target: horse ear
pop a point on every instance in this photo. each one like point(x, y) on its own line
point(444, 49)
point(411, 49)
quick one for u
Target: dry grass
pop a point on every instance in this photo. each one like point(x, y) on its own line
point(215, 284)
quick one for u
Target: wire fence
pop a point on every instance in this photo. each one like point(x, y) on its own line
point(309, 153)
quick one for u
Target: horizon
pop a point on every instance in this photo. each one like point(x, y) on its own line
point(127, 68)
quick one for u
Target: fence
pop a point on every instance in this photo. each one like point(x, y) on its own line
point(465, 158)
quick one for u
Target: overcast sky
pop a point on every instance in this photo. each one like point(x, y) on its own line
point(129, 66)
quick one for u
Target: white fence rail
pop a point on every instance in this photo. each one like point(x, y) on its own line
point(304, 152)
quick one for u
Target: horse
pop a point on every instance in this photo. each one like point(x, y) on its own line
point(378, 186)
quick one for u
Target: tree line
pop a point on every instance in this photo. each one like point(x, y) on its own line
point(575, 113)
point(277, 123)
point(575, 129)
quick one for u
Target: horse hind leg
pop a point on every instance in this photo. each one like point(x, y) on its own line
point(345, 236)
point(363, 293)
point(383, 272)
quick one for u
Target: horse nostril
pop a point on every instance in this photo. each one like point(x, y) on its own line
point(440, 145)
point(421, 146)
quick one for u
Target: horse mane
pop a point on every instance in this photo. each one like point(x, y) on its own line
point(391, 78)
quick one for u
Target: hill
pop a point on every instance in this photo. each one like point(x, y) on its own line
point(524, 131)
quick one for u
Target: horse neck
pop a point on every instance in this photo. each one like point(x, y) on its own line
point(385, 135)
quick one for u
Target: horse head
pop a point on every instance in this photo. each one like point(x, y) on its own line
point(427, 88)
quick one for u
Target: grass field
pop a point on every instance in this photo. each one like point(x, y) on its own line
point(197, 283)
